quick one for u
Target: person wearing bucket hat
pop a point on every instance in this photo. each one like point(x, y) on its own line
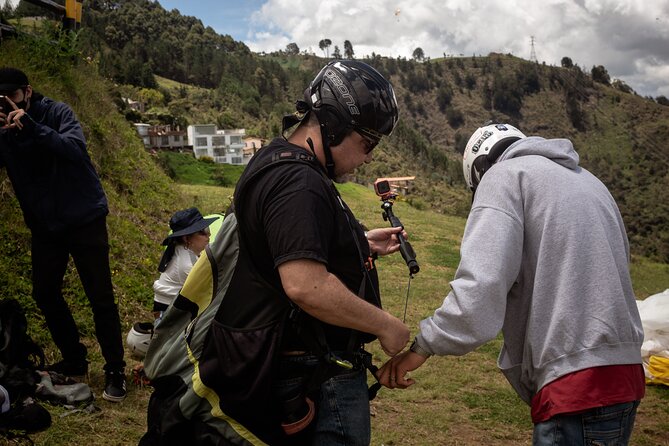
point(190, 235)
point(43, 148)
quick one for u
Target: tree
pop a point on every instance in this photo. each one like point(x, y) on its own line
point(662, 100)
point(7, 11)
point(336, 53)
point(574, 110)
point(566, 62)
point(348, 49)
point(444, 97)
point(599, 74)
point(324, 44)
point(292, 49)
point(455, 117)
point(622, 86)
point(418, 54)
point(150, 96)
point(25, 9)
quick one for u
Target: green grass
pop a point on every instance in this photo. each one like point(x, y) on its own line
point(648, 277)
point(186, 169)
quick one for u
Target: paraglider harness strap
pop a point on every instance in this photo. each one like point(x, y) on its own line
point(331, 364)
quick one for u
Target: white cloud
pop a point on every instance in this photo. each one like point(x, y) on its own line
point(630, 38)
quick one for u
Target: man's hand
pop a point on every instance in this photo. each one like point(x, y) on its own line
point(383, 241)
point(393, 373)
point(13, 118)
point(394, 336)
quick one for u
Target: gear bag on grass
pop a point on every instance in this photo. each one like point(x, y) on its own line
point(213, 382)
point(20, 356)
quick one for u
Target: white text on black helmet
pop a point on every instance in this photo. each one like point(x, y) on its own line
point(343, 90)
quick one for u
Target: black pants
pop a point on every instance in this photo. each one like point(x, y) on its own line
point(89, 247)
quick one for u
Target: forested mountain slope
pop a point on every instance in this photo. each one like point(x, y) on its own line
point(620, 136)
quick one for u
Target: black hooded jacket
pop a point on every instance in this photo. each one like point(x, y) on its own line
point(51, 172)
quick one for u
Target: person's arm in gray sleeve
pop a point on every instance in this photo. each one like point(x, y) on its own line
point(473, 312)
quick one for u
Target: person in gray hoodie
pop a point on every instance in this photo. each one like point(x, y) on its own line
point(544, 259)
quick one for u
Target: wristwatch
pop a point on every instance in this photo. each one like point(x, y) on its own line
point(416, 348)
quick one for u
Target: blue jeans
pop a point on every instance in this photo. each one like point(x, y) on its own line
point(601, 426)
point(342, 405)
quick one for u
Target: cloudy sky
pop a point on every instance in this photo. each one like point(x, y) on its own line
point(628, 37)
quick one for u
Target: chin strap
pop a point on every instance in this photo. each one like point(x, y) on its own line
point(325, 140)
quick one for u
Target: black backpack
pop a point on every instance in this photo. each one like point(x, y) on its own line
point(20, 356)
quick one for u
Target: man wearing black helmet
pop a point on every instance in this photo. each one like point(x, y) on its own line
point(309, 249)
point(544, 260)
point(43, 148)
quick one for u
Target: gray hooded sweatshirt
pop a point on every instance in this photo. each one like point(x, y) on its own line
point(544, 259)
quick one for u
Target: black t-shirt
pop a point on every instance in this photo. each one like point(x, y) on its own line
point(289, 212)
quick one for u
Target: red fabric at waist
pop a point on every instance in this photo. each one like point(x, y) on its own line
point(589, 388)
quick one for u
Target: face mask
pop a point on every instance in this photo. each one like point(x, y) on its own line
point(24, 103)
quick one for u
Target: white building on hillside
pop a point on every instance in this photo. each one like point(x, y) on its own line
point(224, 146)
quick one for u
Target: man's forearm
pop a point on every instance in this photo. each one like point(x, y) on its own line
point(325, 297)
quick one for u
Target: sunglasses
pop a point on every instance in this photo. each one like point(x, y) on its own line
point(370, 142)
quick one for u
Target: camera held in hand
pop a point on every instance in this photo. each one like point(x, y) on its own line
point(5, 107)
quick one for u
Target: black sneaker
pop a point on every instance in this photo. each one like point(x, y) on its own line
point(73, 369)
point(114, 386)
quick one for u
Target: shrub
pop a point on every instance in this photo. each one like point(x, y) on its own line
point(455, 117)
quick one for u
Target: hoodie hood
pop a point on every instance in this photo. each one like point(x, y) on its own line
point(560, 150)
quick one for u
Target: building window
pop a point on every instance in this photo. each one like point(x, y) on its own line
point(218, 140)
point(177, 138)
point(164, 140)
point(236, 160)
point(201, 152)
point(235, 140)
point(219, 151)
point(201, 142)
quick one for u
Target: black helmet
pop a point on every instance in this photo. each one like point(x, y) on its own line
point(351, 95)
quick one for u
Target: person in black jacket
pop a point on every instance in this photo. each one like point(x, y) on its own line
point(43, 148)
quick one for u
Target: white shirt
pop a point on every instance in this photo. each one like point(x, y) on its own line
point(169, 283)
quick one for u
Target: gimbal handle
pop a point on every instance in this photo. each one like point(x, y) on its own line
point(406, 249)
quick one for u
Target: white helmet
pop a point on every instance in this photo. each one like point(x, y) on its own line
point(484, 147)
point(139, 338)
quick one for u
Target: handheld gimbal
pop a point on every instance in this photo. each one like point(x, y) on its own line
point(383, 190)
